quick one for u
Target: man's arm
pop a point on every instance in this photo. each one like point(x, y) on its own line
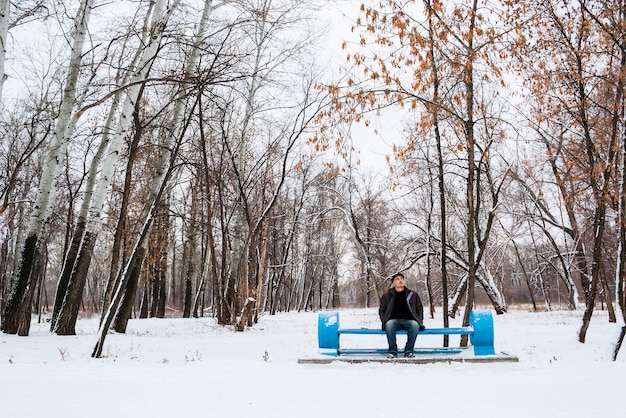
point(382, 308)
point(420, 308)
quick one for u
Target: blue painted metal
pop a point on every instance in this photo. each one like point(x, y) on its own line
point(483, 336)
point(327, 333)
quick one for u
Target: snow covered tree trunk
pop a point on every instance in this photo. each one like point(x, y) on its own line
point(246, 313)
point(469, 123)
point(211, 263)
point(177, 127)
point(488, 283)
point(137, 254)
point(18, 305)
point(620, 270)
point(72, 300)
point(5, 9)
point(601, 166)
point(128, 276)
point(77, 238)
point(120, 228)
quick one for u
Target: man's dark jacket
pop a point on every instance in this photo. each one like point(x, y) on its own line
point(412, 299)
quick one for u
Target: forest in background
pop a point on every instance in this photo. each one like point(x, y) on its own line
point(192, 158)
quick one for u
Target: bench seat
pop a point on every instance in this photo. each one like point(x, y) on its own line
point(427, 331)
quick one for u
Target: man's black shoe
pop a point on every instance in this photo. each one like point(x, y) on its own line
point(392, 354)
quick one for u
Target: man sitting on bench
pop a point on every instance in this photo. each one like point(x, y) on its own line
point(401, 308)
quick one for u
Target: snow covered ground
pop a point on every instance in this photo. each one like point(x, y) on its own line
point(192, 367)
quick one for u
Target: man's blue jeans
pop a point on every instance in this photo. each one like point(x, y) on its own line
point(409, 325)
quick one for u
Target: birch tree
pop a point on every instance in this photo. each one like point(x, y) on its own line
point(16, 318)
point(5, 7)
point(71, 301)
point(177, 130)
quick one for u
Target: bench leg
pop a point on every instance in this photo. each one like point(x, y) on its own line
point(327, 333)
point(483, 337)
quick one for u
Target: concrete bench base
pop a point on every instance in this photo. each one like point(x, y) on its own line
point(418, 359)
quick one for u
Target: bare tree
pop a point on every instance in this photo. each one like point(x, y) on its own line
point(461, 56)
point(68, 312)
point(583, 116)
point(16, 317)
point(265, 117)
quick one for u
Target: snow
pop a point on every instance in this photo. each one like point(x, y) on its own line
point(192, 367)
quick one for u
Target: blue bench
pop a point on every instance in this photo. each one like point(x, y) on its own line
point(480, 332)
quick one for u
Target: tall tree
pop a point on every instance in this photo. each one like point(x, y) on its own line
point(5, 7)
point(68, 313)
point(176, 132)
point(16, 317)
point(577, 107)
point(269, 114)
point(460, 46)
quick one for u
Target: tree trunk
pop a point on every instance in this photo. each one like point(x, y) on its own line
point(191, 261)
point(120, 235)
point(458, 296)
point(5, 8)
point(144, 307)
point(595, 273)
point(526, 275)
point(188, 301)
point(131, 283)
point(246, 314)
point(13, 312)
point(606, 292)
point(258, 294)
point(159, 292)
point(620, 271)
point(429, 233)
point(66, 321)
point(212, 262)
point(137, 256)
point(468, 80)
point(491, 289)
point(72, 254)
point(440, 173)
